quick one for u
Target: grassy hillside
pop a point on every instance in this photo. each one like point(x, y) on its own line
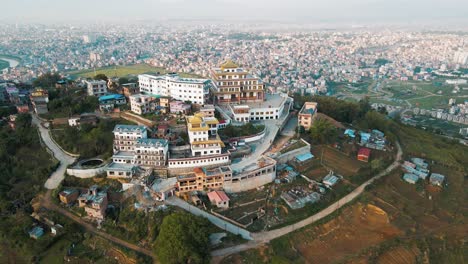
point(393, 221)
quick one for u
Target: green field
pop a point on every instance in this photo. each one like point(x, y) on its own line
point(123, 71)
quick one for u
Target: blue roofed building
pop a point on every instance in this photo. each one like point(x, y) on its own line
point(111, 101)
point(330, 180)
point(410, 178)
point(304, 157)
point(350, 133)
point(36, 232)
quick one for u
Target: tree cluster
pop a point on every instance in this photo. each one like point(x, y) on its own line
point(183, 238)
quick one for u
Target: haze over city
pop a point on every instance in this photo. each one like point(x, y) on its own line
point(233, 131)
point(368, 12)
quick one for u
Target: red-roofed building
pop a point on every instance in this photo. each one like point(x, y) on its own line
point(364, 154)
point(219, 198)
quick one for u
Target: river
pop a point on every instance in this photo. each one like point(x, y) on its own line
point(12, 62)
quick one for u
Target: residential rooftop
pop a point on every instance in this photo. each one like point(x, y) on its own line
point(129, 128)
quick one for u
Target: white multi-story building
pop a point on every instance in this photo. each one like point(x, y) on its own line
point(151, 152)
point(126, 136)
point(183, 89)
point(203, 135)
point(141, 103)
point(271, 108)
point(96, 87)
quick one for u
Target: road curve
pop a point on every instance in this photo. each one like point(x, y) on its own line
point(59, 174)
point(264, 237)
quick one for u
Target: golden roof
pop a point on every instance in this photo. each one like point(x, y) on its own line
point(229, 64)
point(209, 141)
point(203, 128)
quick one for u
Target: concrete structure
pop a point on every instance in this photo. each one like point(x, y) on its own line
point(39, 99)
point(307, 115)
point(94, 202)
point(437, 179)
point(68, 196)
point(130, 89)
point(86, 118)
point(233, 84)
point(203, 179)
point(183, 89)
point(96, 87)
point(117, 170)
point(151, 152)
point(186, 164)
point(125, 136)
point(179, 107)
point(219, 198)
point(110, 101)
point(142, 104)
point(270, 108)
point(203, 135)
point(251, 177)
point(164, 188)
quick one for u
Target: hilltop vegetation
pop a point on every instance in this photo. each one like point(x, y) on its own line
point(393, 221)
point(24, 168)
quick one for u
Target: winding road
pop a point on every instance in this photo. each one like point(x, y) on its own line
point(59, 174)
point(266, 236)
point(57, 177)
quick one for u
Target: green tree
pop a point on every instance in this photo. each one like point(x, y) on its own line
point(123, 80)
point(322, 131)
point(46, 80)
point(183, 238)
point(376, 164)
point(101, 76)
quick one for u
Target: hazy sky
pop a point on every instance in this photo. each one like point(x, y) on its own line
point(365, 11)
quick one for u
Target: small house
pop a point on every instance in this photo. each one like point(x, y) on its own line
point(219, 198)
point(330, 180)
point(304, 157)
point(364, 154)
point(437, 179)
point(68, 196)
point(36, 232)
point(350, 133)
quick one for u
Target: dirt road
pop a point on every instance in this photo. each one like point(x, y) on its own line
point(264, 237)
point(47, 203)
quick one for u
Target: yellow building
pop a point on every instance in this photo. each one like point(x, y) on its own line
point(203, 135)
point(233, 84)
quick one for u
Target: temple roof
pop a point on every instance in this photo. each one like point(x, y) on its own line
point(229, 64)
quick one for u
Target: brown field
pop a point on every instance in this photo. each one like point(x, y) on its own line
point(357, 228)
point(399, 255)
point(338, 161)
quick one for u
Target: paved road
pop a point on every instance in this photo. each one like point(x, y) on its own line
point(264, 237)
point(59, 174)
point(47, 203)
point(271, 129)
